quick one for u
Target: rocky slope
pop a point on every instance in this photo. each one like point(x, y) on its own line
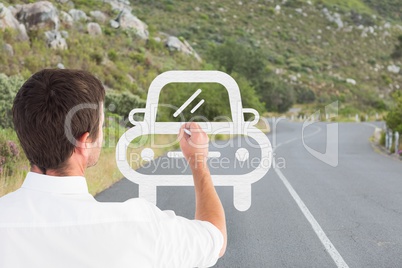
point(338, 48)
point(334, 49)
point(108, 40)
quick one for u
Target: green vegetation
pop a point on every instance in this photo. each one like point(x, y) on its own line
point(254, 40)
point(13, 163)
point(174, 95)
point(304, 94)
point(347, 5)
point(394, 117)
point(9, 151)
point(295, 56)
point(248, 38)
point(122, 103)
point(382, 138)
point(388, 8)
point(397, 53)
point(8, 89)
point(233, 57)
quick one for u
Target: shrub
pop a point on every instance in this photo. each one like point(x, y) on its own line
point(112, 55)
point(122, 103)
point(248, 94)
point(324, 97)
point(304, 94)
point(277, 95)
point(394, 117)
point(97, 57)
point(9, 87)
point(293, 4)
point(236, 57)
point(204, 16)
point(277, 59)
point(372, 62)
point(382, 138)
point(294, 64)
point(387, 80)
point(137, 57)
point(271, 11)
point(169, 6)
point(10, 150)
point(154, 45)
point(397, 53)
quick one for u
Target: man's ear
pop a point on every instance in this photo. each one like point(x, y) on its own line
point(83, 142)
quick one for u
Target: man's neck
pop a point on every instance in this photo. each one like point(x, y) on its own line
point(58, 173)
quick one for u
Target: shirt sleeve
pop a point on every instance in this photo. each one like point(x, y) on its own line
point(185, 243)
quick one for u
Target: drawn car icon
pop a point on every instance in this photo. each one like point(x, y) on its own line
point(241, 183)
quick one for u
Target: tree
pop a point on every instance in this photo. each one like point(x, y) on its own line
point(394, 117)
point(236, 57)
point(250, 98)
point(249, 63)
point(397, 54)
point(277, 95)
point(304, 94)
point(122, 103)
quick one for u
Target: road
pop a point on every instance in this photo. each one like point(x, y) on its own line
point(306, 213)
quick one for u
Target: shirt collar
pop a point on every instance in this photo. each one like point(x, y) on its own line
point(55, 184)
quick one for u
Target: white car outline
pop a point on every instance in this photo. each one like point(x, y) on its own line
point(148, 183)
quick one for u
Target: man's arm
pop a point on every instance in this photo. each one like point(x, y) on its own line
point(208, 205)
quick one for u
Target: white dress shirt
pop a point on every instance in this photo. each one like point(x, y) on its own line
point(54, 222)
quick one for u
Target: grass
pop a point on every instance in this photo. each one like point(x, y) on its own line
point(13, 165)
point(347, 5)
point(306, 45)
point(11, 181)
point(309, 46)
point(104, 174)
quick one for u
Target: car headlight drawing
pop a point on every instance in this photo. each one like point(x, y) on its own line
point(241, 183)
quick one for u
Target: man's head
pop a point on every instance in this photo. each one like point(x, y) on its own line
point(57, 113)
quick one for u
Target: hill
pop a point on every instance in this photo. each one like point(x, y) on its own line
point(338, 49)
point(291, 51)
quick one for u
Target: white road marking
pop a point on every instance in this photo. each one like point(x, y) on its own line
point(184, 106)
point(197, 106)
point(329, 247)
point(371, 125)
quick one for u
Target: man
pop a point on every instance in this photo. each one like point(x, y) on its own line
point(52, 220)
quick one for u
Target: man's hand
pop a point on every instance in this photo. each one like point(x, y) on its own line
point(194, 147)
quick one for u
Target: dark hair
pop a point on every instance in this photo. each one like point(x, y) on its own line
point(40, 110)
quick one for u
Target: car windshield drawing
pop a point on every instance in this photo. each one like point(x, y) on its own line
point(194, 102)
point(176, 97)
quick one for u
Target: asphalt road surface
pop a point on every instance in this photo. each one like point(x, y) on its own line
point(304, 212)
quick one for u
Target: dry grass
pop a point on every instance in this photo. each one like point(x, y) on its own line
point(99, 177)
point(106, 173)
point(10, 182)
point(263, 125)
